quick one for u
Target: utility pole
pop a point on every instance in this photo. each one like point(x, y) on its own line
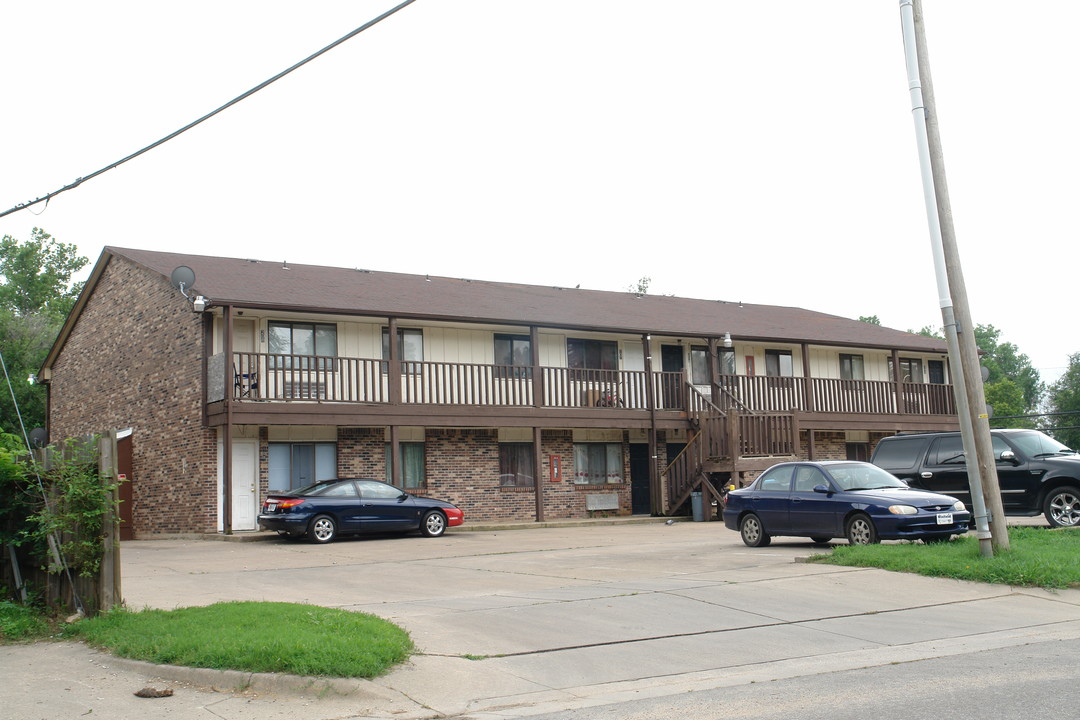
point(956, 314)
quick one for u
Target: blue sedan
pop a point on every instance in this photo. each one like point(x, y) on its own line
point(326, 509)
point(826, 500)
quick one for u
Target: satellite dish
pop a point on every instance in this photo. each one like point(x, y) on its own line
point(984, 371)
point(39, 437)
point(182, 279)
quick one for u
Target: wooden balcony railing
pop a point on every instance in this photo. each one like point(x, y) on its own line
point(287, 378)
point(783, 394)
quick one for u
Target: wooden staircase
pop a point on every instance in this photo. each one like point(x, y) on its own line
point(723, 445)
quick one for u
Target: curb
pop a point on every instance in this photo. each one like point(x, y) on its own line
point(240, 680)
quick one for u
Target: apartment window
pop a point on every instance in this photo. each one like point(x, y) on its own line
point(727, 361)
point(936, 369)
point(410, 348)
point(514, 351)
point(293, 339)
point(778, 363)
point(699, 363)
point(598, 463)
point(592, 354)
point(858, 451)
point(412, 465)
point(910, 370)
point(293, 465)
point(516, 465)
point(851, 367)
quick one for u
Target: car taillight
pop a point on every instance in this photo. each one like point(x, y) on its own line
point(274, 504)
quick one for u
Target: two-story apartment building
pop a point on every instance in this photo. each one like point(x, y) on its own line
point(513, 401)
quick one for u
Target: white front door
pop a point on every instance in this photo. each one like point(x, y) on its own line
point(245, 464)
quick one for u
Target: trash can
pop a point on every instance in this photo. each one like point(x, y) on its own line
point(696, 506)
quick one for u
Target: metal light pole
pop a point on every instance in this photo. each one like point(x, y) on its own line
point(956, 316)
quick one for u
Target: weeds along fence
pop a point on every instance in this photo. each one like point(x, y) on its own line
point(59, 535)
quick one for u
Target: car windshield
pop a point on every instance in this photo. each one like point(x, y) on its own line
point(1036, 444)
point(862, 476)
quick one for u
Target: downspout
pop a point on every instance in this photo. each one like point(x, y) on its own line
point(226, 441)
point(538, 401)
point(393, 377)
point(656, 499)
point(967, 430)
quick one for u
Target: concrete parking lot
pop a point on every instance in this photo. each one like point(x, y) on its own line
point(516, 622)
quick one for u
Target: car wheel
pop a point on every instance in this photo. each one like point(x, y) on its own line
point(821, 540)
point(323, 529)
point(1062, 507)
point(861, 530)
point(753, 534)
point(433, 524)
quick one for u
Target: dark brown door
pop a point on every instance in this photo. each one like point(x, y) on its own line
point(123, 465)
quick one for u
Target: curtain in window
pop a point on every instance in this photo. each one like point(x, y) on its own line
point(412, 465)
point(598, 463)
point(516, 465)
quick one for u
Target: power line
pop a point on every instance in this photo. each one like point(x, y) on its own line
point(79, 181)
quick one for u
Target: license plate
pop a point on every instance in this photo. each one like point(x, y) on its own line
point(944, 518)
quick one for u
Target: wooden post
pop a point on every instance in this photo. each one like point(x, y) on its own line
point(537, 372)
point(538, 469)
point(109, 573)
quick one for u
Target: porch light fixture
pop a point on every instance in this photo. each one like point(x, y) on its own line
point(727, 339)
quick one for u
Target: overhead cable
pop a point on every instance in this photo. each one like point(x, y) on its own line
point(79, 181)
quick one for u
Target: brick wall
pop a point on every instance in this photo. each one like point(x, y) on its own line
point(134, 359)
point(462, 467)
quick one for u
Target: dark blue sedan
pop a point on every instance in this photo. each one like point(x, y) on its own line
point(325, 509)
point(826, 500)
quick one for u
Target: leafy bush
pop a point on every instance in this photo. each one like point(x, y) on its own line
point(66, 499)
point(78, 501)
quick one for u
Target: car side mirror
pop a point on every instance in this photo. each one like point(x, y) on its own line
point(823, 489)
point(1008, 456)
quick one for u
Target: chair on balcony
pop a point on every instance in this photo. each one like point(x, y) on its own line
point(245, 384)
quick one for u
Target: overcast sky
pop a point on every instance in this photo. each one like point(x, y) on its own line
point(753, 151)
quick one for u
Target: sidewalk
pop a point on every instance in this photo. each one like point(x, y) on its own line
point(512, 623)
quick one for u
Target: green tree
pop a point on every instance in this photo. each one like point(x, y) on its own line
point(35, 276)
point(928, 331)
point(36, 294)
point(872, 319)
point(1063, 396)
point(1012, 385)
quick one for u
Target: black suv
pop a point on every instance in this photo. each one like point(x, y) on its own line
point(1036, 473)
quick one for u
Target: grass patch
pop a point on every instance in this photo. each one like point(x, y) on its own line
point(19, 623)
point(1038, 557)
point(252, 636)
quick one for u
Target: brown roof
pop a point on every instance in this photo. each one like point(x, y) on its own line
point(289, 286)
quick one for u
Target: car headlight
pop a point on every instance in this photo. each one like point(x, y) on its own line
point(902, 509)
point(959, 506)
